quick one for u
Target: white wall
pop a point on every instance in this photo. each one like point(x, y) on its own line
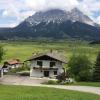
point(39, 74)
point(60, 67)
point(46, 64)
point(36, 73)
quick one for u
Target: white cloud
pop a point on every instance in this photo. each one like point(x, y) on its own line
point(13, 24)
point(48, 4)
point(90, 6)
point(26, 14)
point(98, 19)
point(10, 9)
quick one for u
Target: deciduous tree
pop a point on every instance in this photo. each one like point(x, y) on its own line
point(80, 67)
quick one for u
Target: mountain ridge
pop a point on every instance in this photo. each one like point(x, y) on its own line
point(60, 15)
point(57, 24)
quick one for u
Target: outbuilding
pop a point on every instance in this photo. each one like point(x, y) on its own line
point(12, 63)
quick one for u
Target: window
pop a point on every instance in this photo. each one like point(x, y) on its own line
point(39, 63)
point(52, 64)
point(55, 72)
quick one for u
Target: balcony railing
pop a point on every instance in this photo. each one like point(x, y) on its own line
point(41, 68)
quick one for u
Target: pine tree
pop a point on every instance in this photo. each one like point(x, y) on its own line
point(96, 72)
point(1, 53)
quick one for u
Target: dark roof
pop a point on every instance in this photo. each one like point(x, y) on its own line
point(54, 55)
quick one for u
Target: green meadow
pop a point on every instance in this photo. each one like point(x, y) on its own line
point(23, 50)
point(42, 93)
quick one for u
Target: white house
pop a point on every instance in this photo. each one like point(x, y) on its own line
point(46, 64)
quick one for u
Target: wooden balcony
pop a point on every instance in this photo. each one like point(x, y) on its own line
point(40, 68)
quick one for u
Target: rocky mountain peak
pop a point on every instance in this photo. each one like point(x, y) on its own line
point(59, 16)
point(57, 24)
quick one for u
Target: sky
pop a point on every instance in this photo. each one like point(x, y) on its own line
point(12, 12)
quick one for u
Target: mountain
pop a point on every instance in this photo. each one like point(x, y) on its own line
point(55, 23)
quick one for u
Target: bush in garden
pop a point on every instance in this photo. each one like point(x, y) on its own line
point(80, 68)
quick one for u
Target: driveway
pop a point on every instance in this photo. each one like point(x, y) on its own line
point(18, 80)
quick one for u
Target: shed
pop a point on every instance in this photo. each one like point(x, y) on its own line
point(12, 63)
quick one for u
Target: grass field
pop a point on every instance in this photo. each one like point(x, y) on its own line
point(39, 93)
point(23, 50)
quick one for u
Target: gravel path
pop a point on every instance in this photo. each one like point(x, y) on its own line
point(95, 90)
point(27, 81)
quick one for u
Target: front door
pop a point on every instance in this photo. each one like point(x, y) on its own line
point(46, 73)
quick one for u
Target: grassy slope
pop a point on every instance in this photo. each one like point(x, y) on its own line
point(23, 50)
point(38, 93)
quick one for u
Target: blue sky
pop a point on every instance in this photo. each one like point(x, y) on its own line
point(12, 12)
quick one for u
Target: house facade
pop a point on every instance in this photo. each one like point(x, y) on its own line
point(46, 65)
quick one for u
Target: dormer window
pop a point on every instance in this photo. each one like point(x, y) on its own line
point(39, 63)
point(52, 63)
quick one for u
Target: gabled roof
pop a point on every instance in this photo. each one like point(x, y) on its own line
point(53, 55)
point(12, 61)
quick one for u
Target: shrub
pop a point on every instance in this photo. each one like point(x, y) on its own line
point(24, 67)
point(51, 82)
point(61, 77)
point(80, 68)
point(24, 74)
point(66, 82)
point(14, 70)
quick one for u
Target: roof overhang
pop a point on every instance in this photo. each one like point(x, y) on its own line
point(55, 58)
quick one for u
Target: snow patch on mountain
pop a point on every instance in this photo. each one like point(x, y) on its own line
point(59, 16)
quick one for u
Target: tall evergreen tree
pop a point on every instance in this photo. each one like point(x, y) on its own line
point(1, 53)
point(96, 72)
